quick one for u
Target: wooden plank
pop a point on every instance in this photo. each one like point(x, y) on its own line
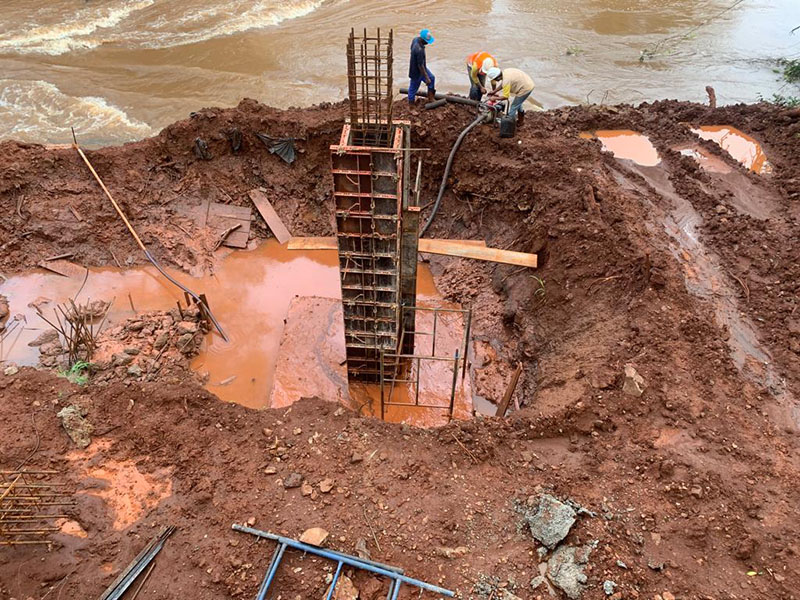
point(64, 267)
point(270, 216)
point(230, 211)
point(456, 248)
point(329, 243)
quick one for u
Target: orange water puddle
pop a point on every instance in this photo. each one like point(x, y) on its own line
point(739, 145)
point(704, 158)
point(249, 293)
point(626, 144)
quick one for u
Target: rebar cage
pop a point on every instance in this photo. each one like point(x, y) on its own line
point(369, 81)
point(406, 369)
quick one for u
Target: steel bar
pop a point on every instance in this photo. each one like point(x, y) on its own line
point(467, 328)
point(349, 560)
point(453, 389)
point(121, 584)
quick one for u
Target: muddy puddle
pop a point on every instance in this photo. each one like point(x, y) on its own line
point(626, 144)
point(742, 147)
point(250, 293)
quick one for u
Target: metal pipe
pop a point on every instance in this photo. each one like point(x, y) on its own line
point(348, 560)
point(273, 568)
point(276, 538)
point(335, 579)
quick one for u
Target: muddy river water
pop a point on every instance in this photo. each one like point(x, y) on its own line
point(118, 70)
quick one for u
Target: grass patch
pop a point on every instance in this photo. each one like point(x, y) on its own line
point(77, 373)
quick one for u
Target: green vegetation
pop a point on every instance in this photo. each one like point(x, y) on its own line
point(575, 51)
point(791, 69)
point(540, 293)
point(78, 373)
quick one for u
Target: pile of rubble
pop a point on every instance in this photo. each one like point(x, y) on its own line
point(142, 348)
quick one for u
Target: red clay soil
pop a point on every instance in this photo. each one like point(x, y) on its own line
point(693, 484)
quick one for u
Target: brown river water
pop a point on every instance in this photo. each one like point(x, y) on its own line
point(119, 70)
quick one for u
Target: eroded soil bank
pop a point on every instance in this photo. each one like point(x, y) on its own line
point(690, 275)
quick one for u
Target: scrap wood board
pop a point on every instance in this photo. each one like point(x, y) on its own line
point(270, 216)
point(64, 267)
point(329, 243)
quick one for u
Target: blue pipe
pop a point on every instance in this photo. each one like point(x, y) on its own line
point(348, 560)
point(273, 568)
point(333, 582)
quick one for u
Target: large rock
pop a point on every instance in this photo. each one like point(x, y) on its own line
point(565, 569)
point(77, 427)
point(552, 520)
point(633, 383)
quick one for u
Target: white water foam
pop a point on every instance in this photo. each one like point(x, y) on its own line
point(167, 23)
point(37, 111)
point(73, 34)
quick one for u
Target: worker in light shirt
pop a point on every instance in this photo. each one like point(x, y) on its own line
point(511, 82)
point(477, 65)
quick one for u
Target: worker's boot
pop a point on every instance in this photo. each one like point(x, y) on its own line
point(520, 119)
point(431, 95)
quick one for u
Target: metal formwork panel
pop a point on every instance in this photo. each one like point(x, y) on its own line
point(367, 184)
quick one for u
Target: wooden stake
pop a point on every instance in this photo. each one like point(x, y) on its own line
point(512, 385)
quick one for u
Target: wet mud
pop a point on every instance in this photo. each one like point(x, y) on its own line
point(686, 269)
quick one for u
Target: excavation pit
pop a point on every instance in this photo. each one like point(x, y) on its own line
point(251, 294)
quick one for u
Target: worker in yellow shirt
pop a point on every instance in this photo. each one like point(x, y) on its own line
point(477, 65)
point(511, 82)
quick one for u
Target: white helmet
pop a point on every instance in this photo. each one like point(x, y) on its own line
point(488, 63)
point(493, 73)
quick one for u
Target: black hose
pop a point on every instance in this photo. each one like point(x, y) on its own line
point(481, 117)
point(448, 97)
point(436, 104)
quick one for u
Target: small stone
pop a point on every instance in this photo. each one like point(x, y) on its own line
point(721, 209)
point(293, 480)
point(161, 341)
point(135, 326)
point(527, 456)
point(306, 489)
point(621, 565)
point(609, 587)
point(362, 551)
point(46, 337)
point(633, 383)
point(76, 426)
point(135, 371)
point(132, 351)
point(11, 370)
point(316, 536)
point(537, 581)
point(122, 360)
point(187, 327)
point(667, 596)
point(552, 520)
point(326, 485)
point(356, 458)
point(251, 521)
point(696, 491)
point(270, 471)
point(452, 552)
point(566, 569)
point(297, 431)
point(345, 589)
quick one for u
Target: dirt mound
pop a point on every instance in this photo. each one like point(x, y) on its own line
point(688, 276)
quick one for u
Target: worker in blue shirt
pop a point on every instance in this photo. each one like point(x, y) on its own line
point(418, 69)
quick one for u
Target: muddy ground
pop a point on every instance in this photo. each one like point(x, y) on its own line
point(690, 277)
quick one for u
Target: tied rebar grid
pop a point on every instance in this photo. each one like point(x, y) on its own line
point(29, 506)
point(369, 80)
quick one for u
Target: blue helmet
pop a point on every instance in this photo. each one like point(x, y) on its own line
point(426, 35)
